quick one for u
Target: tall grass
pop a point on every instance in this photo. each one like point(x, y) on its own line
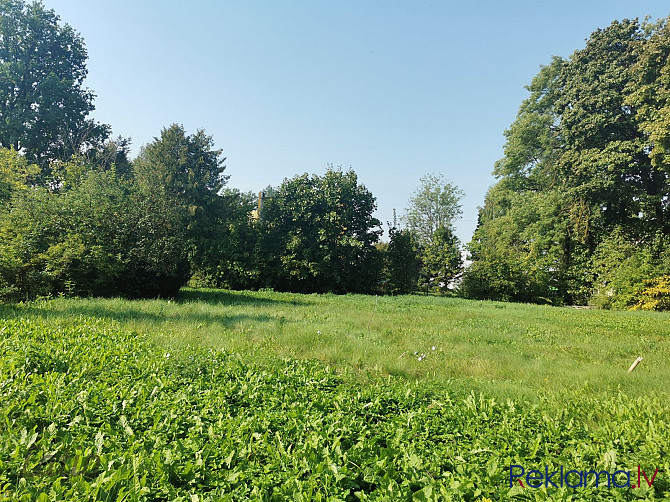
point(504, 349)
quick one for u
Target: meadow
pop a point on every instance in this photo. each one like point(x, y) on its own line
point(222, 395)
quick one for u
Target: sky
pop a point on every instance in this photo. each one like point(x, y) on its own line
point(394, 90)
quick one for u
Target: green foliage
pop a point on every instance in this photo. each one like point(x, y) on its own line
point(649, 92)
point(520, 248)
point(402, 261)
point(620, 268)
point(98, 235)
point(186, 167)
point(43, 103)
point(92, 410)
point(440, 261)
point(577, 167)
point(186, 171)
point(157, 245)
point(434, 205)
point(15, 173)
point(102, 232)
point(317, 234)
point(230, 256)
point(533, 140)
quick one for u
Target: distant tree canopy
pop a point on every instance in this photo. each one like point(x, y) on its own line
point(584, 159)
point(434, 205)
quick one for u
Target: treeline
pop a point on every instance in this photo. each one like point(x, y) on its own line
point(166, 219)
point(580, 210)
point(579, 214)
point(78, 216)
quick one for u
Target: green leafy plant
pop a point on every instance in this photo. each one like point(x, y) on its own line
point(653, 295)
point(93, 410)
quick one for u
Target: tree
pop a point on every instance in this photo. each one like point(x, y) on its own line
point(648, 93)
point(604, 163)
point(187, 171)
point(402, 262)
point(317, 234)
point(15, 173)
point(43, 103)
point(441, 260)
point(435, 204)
point(576, 169)
point(187, 167)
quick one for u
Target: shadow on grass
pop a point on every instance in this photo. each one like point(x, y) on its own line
point(227, 297)
point(156, 312)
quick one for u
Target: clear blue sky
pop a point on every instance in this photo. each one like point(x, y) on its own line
point(392, 89)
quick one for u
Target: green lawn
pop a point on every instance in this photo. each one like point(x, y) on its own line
point(502, 348)
point(266, 396)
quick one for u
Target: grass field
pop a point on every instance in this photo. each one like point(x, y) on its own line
point(265, 396)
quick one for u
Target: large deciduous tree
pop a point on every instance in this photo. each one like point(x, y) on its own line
point(650, 92)
point(577, 168)
point(43, 105)
point(318, 235)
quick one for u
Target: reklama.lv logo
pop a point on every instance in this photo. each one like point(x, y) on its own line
point(576, 479)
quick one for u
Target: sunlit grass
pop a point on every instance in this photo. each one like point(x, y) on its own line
point(508, 349)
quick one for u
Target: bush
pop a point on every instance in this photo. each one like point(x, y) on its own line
point(619, 268)
point(100, 237)
point(654, 294)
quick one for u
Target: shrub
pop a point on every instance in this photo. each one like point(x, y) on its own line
point(98, 237)
point(654, 294)
point(620, 268)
